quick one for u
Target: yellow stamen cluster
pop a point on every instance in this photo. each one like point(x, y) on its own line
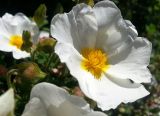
point(95, 61)
point(16, 40)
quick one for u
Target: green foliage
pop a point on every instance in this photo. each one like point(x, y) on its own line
point(89, 2)
point(40, 16)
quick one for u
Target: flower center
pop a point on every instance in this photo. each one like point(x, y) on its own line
point(16, 40)
point(95, 61)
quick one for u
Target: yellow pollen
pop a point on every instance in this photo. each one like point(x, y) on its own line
point(16, 40)
point(95, 61)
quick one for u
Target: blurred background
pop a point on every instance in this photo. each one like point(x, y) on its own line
point(144, 14)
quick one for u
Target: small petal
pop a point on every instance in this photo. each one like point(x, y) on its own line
point(7, 103)
point(18, 54)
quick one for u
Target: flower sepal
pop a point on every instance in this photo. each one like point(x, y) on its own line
point(46, 44)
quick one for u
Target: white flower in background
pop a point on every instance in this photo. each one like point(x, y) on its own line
point(7, 103)
point(11, 29)
point(103, 53)
point(49, 100)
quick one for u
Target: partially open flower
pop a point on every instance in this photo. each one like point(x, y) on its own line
point(103, 52)
point(7, 103)
point(11, 29)
point(49, 100)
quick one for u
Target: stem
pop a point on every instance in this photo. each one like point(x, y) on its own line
point(49, 60)
point(33, 55)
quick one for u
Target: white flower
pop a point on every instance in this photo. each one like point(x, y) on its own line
point(49, 100)
point(7, 103)
point(103, 53)
point(11, 29)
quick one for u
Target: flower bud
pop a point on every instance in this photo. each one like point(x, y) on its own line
point(3, 70)
point(30, 71)
point(46, 45)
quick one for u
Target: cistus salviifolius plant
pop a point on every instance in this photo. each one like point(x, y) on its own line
point(80, 58)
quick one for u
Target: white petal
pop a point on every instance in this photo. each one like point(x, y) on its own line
point(64, 51)
point(79, 102)
point(68, 109)
point(131, 28)
point(15, 25)
point(11, 24)
point(71, 27)
point(25, 23)
point(106, 12)
point(7, 17)
point(4, 44)
point(35, 108)
point(7, 103)
point(59, 103)
point(134, 65)
point(5, 29)
point(65, 109)
point(137, 73)
point(49, 94)
point(140, 53)
point(86, 25)
point(113, 32)
point(19, 54)
point(107, 93)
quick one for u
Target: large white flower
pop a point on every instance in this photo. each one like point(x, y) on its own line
point(7, 103)
point(49, 100)
point(11, 29)
point(103, 53)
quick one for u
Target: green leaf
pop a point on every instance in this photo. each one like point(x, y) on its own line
point(151, 29)
point(40, 15)
point(59, 8)
point(88, 2)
